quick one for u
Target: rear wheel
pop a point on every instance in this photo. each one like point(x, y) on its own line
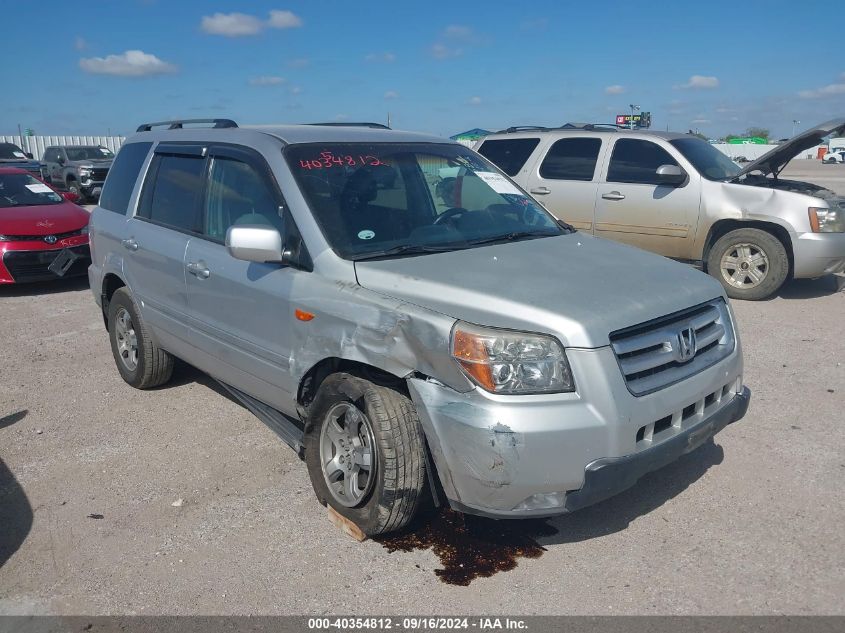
point(365, 455)
point(752, 264)
point(141, 362)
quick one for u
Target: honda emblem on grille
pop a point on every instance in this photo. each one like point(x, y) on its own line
point(686, 345)
point(50, 239)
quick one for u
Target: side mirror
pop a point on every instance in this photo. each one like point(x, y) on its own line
point(254, 243)
point(60, 160)
point(70, 196)
point(670, 175)
point(28, 155)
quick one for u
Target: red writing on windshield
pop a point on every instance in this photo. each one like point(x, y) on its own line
point(327, 160)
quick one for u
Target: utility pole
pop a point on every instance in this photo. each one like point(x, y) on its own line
point(633, 107)
point(388, 119)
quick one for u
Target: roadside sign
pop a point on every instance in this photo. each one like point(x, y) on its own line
point(638, 120)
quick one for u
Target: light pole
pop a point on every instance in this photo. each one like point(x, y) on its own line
point(794, 123)
point(633, 107)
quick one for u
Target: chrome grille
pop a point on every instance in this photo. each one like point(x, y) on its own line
point(659, 353)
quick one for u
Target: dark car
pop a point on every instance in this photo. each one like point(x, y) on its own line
point(13, 156)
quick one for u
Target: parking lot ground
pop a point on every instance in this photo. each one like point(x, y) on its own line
point(90, 470)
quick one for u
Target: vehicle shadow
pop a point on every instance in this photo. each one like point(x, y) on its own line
point(15, 514)
point(812, 288)
point(44, 287)
point(650, 492)
point(184, 374)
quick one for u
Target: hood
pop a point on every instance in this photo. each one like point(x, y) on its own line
point(47, 219)
point(773, 161)
point(104, 162)
point(29, 164)
point(576, 287)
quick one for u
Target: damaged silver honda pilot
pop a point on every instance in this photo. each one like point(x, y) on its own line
point(407, 319)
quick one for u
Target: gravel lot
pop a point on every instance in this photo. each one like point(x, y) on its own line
point(90, 469)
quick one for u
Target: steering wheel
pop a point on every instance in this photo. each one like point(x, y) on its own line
point(448, 214)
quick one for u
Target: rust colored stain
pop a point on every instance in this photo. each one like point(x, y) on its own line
point(471, 547)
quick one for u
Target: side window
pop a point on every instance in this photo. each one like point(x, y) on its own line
point(173, 186)
point(122, 176)
point(509, 154)
point(50, 155)
point(636, 161)
point(237, 194)
point(571, 159)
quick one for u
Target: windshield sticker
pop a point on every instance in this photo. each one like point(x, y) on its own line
point(19, 154)
point(498, 182)
point(104, 151)
point(366, 234)
point(39, 188)
point(327, 160)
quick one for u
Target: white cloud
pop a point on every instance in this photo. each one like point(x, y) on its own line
point(284, 20)
point(829, 90)
point(79, 43)
point(615, 89)
point(231, 24)
point(700, 121)
point(128, 64)
point(474, 101)
point(266, 80)
point(699, 82)
point(458, 32)
point(300, 62)
point(391, 94)
point(242, 24)
point(386, 57)
point(295, 90)
point(441, 51)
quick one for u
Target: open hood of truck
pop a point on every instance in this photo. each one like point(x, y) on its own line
point(772, 162)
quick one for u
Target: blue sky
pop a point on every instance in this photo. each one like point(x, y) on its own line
point(717, 66)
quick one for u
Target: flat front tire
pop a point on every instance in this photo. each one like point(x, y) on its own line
point(365, 453)
point(141, 362)
point(752, 264)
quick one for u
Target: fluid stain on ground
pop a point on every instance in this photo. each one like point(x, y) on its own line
point(471, 547)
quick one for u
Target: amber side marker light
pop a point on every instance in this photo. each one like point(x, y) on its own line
point(469, 351)
point(302, 315)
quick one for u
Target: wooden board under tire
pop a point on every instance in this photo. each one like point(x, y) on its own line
point(347, 526)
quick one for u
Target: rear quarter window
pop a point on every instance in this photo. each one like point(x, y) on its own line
point(571, 159)
point(122, 176)
point(509, 154)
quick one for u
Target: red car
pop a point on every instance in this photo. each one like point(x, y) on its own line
point(43, 235)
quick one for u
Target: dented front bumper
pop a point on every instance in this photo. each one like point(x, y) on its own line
point(530, 456)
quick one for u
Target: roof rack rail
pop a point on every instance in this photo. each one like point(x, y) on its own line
point(522, 128)
point(590, 126)
point(377, 126)
point(178, 123)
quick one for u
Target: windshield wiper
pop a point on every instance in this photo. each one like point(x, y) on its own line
point(407, 249)
point(510, 237)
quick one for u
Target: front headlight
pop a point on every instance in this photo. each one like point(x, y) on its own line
point(84, 171)
point(508, 362)
point(827, 220)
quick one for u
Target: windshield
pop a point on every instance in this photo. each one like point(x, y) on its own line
point(88, 153)
point(9, 151)
point(390, 198)
point(708, 161)
point(19, 190)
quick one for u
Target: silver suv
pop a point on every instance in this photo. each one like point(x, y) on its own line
point(385, 302)
point(676, 195)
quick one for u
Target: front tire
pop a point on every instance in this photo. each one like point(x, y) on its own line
point(365, 453)
point(73, 187)
point(752, 264)
point(141, 363)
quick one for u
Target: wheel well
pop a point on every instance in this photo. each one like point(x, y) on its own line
point(315, 376)
point(723, 227)
point(111, 283)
